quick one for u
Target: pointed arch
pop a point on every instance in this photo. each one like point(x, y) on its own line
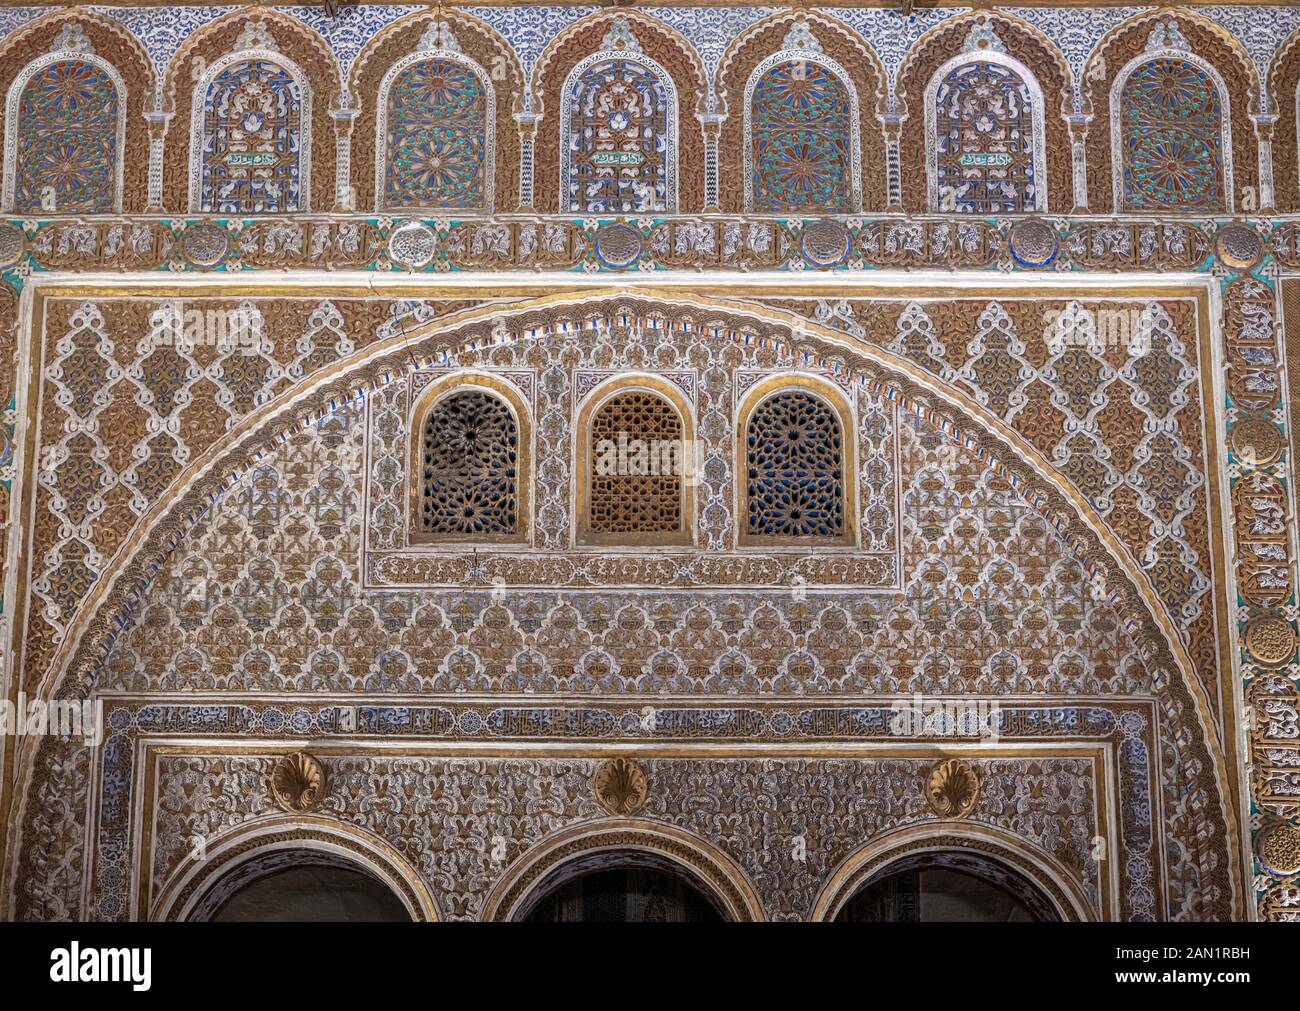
point(112, 61)
point(989, 39)
point(294, 43)
point(1010, 179)
point(480, 46)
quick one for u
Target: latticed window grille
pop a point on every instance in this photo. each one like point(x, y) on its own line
point(794, 468)
point(620, 140)
point(636, 466)
point(984, 130)
point(252, 145)
point(469, 454)
point(801, 127)
point(1171, 139)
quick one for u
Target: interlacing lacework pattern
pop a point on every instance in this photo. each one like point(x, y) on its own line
point(1109, 393)
point(1171, 144)
point(1258, 35)
point(1260, 468)
point(184, 392)
point(794, 460)
point(1140, 463)
point(620, 140)
point(133, 388)
point(529, 27)
point(252, 145)
point(469, 451)
point(436, 137)
point(264, 595)
point(637, 464)
point(984, 141)
point(455, 808)
point(67, 140)
point(800, 136)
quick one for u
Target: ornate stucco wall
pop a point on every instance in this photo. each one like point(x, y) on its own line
point(216, 538)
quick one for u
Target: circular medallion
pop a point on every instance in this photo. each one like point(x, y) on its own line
point(205, 243)
point(412, 245)
point(297, 782)
point(952, 789)
point(1270, 640)
point(1034, 243)
point(1238, 246)
point(1255, 441)
point(1279, 848)
point(13, 244)
point(618, 245)
point(825, 243)
point(469, 723)
point(620, 786)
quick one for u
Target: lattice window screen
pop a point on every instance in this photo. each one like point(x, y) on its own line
point(795, 468)
point(636, 466)
point(470, 447)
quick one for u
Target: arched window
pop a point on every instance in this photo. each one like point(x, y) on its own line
point(618, 131)
point(801, 132)
point(1169, 130)
point(251, 132)
point(435, 141)
point(985, 148)
point(636, 468)
point(65, 124)
point(469, 472)
point(795, 463)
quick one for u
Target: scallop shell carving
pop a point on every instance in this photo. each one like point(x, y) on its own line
point(952, 789)
point(620, 786)
point(297, 782)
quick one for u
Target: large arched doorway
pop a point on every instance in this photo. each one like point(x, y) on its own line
point(947, 886)
point(620, 887)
